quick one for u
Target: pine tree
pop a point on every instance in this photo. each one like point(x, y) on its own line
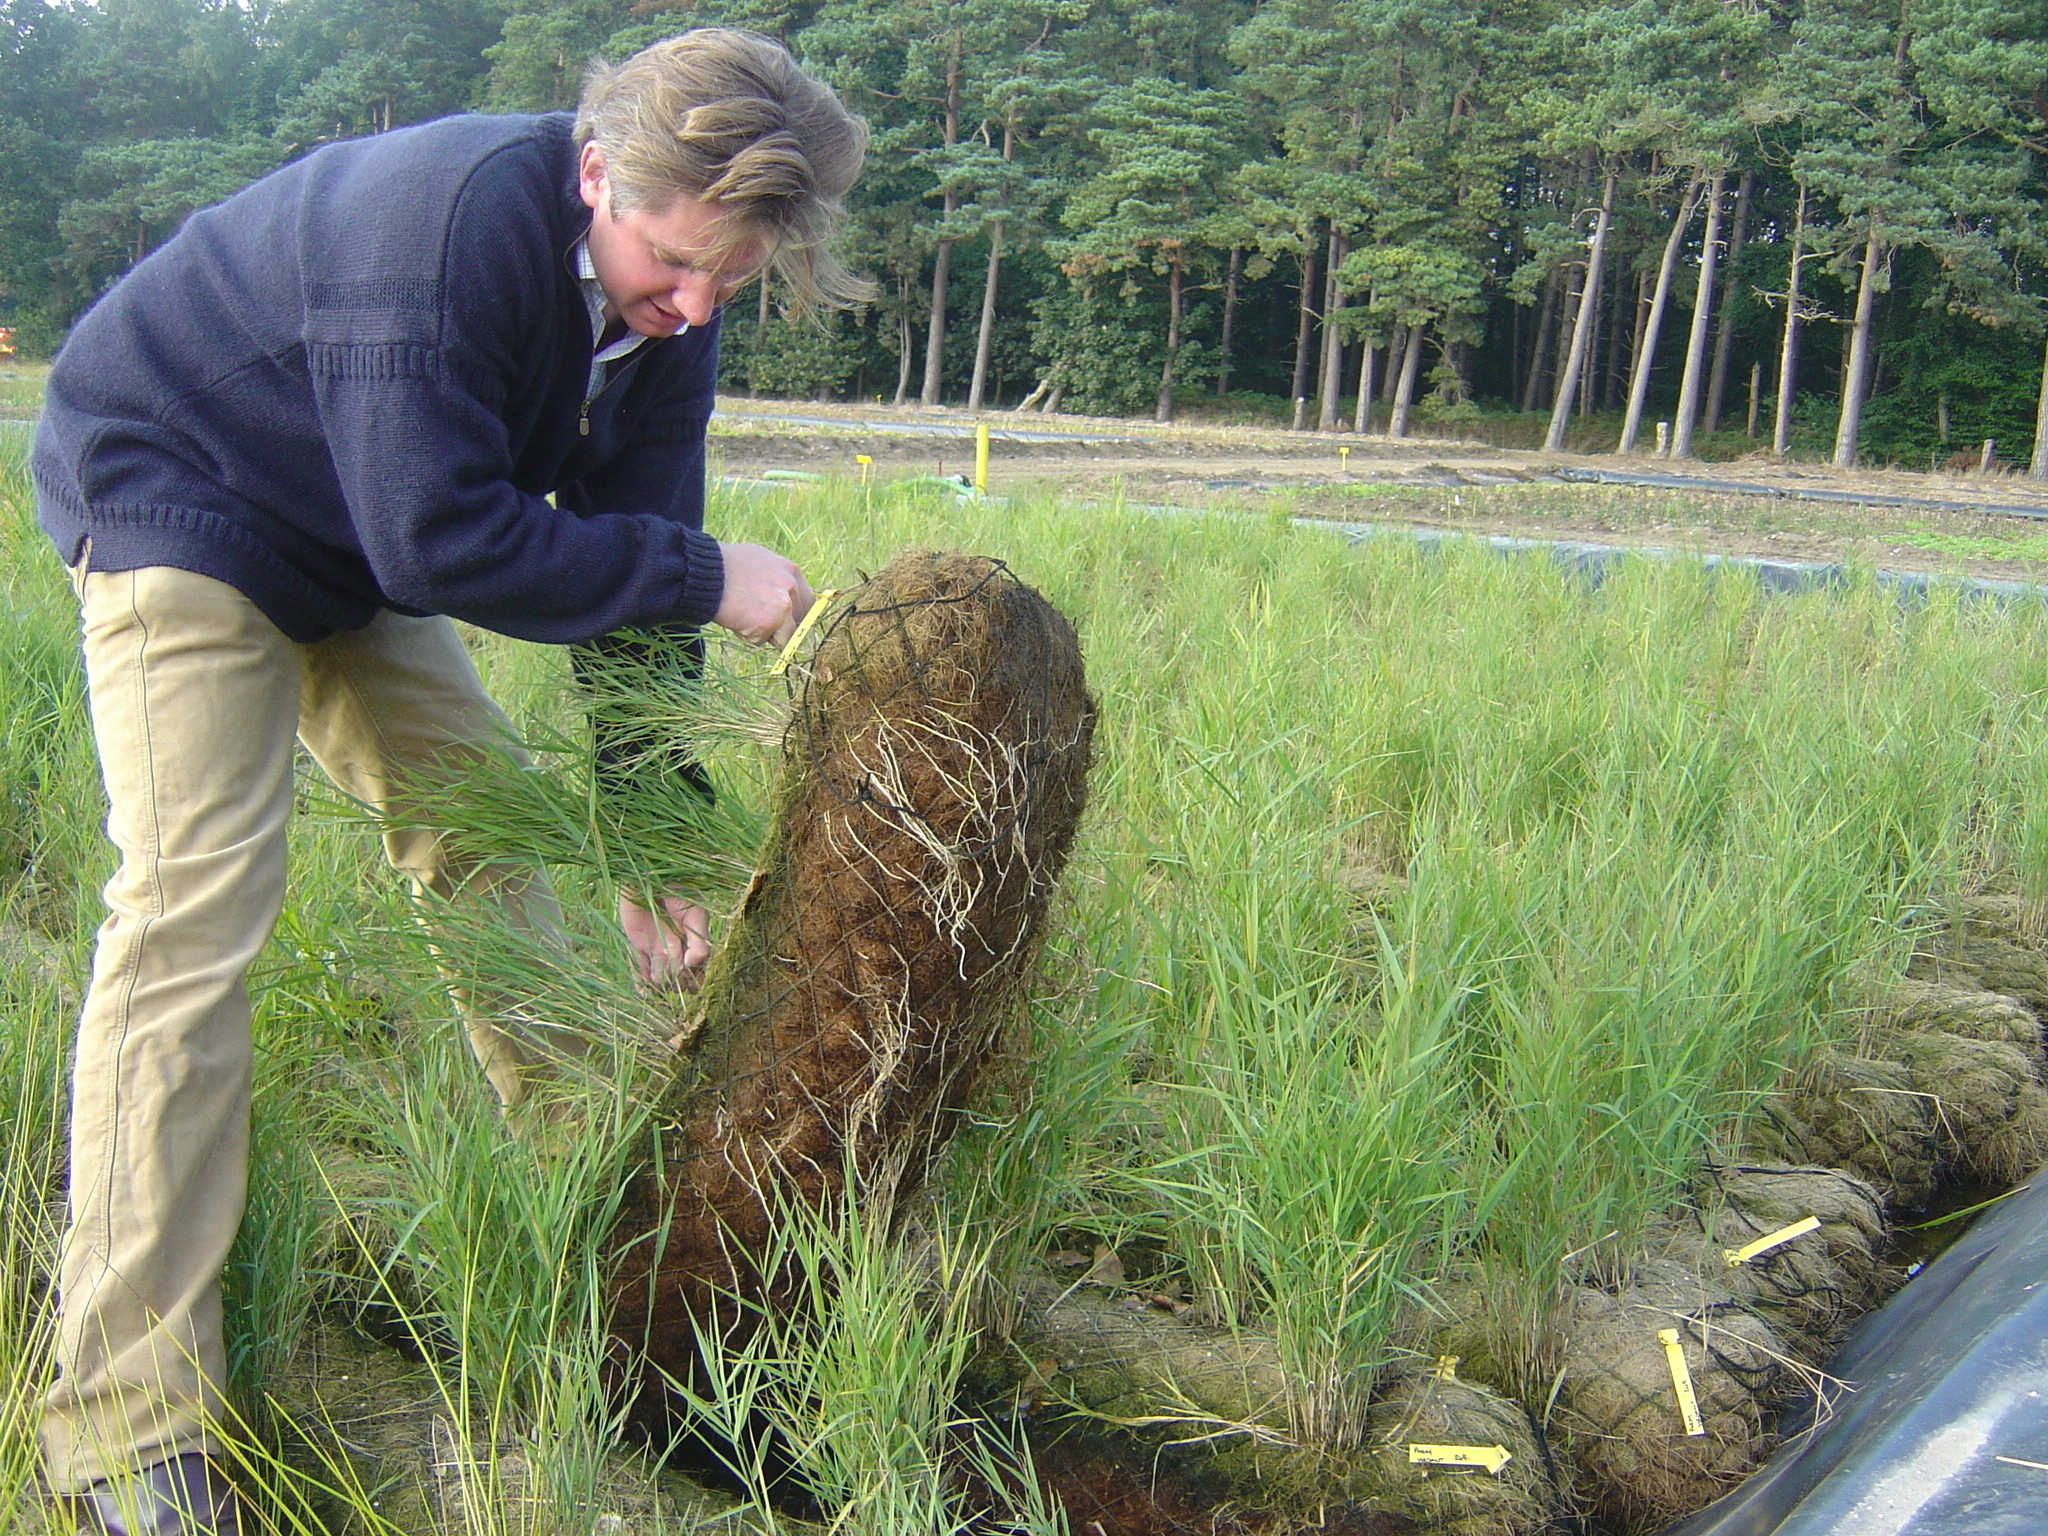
point(1409, 203)
point(1162, 149)
point(1316, 73)
point(1981, 67)
point(1724, 314)
point(1863, 127)
point(1646, 350)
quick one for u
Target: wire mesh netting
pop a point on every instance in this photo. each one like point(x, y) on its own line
point(933, 773)
point(1810, 1286)
point(1618, 1410)
point(1856, 1113)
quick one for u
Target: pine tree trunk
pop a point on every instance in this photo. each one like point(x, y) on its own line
point(1229, 321)
point(1589, 369)
point(1568, 316)
point(1164, 412)
point(986, 336)
point(1361, 417)
point(1646, 354)
point(1724, 322)
point(935, 332)
point(984, 340)
point(1696, 337)
point(1788, 351)
point(1619, 382)
point(1582, 331)
point(1610, 372)
point(1404, 394)
point(1304, 321)
point(1856, 372)
point(942, 259)
point(1540, 353)
point(2039, 467)
point(903, 334)
point(1331, 382)
point(1397, 353)
point(1520, 324)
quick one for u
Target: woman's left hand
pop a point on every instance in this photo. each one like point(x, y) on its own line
point(671, 941)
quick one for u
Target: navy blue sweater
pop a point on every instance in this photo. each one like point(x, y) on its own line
point(352, 385)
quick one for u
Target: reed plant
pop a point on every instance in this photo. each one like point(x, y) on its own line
point(1437, 914)
point(844, 1397)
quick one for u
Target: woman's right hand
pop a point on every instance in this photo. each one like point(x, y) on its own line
point(766, 596)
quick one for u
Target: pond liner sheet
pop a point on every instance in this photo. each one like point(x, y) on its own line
point(1593, 561)
point(1650, 480)
point(1940, 1424)
point(997, 434)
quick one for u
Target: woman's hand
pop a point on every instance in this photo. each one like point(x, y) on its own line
point(671, 941)
point(766, 596)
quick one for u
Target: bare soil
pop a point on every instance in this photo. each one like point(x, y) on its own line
point(1429, 483)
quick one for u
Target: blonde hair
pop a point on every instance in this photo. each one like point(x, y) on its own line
point(731, 118)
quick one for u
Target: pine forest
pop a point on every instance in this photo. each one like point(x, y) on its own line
point(1706, 227)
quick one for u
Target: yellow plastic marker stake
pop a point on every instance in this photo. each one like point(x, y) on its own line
point(863, 461)
point(1446, 1368)
point(818, 602)
point(1770, 1240)
point(1344, 460)
point(1471, 1457)
point(1681, 1381)
point(981, 456)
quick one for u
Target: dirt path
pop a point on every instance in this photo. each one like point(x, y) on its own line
point(1995, 526)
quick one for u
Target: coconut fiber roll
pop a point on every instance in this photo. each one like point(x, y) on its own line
point(933, 772)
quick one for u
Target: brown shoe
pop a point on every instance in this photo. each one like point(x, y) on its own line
point(186, 1496)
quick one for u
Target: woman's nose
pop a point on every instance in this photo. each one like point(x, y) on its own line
point(696, 296)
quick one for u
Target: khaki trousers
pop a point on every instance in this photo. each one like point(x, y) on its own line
point(196, 697)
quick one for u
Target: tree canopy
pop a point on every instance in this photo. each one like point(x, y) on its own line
point(1422, 208)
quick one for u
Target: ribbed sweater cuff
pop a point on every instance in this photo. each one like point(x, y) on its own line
point(704, 585)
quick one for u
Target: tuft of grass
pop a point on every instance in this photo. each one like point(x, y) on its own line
point(854, 1384)
point(2028, 546)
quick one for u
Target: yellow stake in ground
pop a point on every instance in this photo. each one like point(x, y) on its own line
point(1491, 1458)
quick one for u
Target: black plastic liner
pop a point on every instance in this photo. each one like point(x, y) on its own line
point(1794, 492)
point(1593, 561)
point(1940, 1424)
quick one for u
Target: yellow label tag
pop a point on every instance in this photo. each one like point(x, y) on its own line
point(1681, 1381)
point(818, 602)
point(1770, 1240)
point(1446, 1368)
point(1491, 1458)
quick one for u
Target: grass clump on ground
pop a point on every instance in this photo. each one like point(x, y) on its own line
point(1435, 919)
